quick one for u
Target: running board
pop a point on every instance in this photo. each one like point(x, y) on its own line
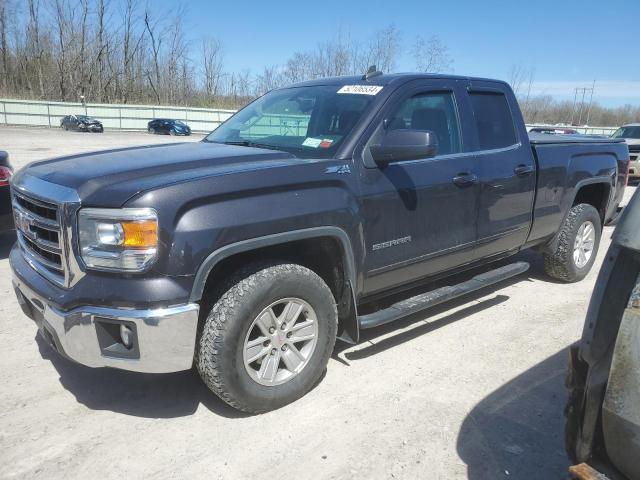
point(440, 295)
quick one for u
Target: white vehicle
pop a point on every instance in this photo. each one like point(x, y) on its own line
point(631, 135)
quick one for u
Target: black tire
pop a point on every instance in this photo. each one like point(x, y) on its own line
point(152, 131)
point(560, 264)
point(219, 352)
point(172, 132)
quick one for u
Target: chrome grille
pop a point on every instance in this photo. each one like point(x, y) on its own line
point(634, 148)
point(40, 234)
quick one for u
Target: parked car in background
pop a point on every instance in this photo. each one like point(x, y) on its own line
point(603, 421)
point(631, 135)
point(81, 123)
point(167, 126)
point(6, 215)
point(555, 131)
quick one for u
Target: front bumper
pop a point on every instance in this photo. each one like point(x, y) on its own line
point(164, 338)
point(91, 128)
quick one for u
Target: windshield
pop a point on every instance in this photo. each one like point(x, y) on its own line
point(178, 122)
point(309, 122)
point(627, 132)
point(84, 118)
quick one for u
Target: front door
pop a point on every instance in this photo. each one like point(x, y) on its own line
point(420, 215)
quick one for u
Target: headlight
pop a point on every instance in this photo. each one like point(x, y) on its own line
point(118, 239)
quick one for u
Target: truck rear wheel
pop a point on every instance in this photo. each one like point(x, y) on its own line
point(268, 338)
point(577, 247)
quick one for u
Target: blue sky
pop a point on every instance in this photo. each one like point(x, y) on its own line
point(568, 43)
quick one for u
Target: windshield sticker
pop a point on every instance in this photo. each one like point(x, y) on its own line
point(326, 143)
point(361, 89)
point(312, 142)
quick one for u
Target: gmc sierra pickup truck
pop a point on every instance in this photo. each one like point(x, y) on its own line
point(249, 253)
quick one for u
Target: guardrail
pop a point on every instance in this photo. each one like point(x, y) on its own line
point(125, 117)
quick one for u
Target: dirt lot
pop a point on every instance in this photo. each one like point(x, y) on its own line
point(473, 389)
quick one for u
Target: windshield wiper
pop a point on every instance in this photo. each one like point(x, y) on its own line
point(248, 143)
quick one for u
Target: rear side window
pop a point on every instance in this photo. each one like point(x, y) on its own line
point(493, 120)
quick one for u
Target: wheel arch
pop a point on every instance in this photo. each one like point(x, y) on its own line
point(589, 185)
point(293, 245)
point(595, 192)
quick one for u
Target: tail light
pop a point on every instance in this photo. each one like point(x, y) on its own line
point(5, 175)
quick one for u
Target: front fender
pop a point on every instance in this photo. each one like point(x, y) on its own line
point(270, 240)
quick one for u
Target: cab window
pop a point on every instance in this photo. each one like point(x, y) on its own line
point(431, 111)
point(493, 119)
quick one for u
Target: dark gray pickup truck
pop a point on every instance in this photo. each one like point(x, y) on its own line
point(249, 253)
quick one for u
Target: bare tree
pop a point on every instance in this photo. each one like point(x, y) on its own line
point(270, 78)
point(518, 76)
point(212, 64)
point(431, 55)
point(151, 27)
point(4, 45)
point(382, 50)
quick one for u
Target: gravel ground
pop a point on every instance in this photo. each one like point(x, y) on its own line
point(473, 389)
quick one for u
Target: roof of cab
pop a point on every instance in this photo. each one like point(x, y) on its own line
point(386, 79)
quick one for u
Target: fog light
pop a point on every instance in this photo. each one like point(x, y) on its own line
point(126, 335)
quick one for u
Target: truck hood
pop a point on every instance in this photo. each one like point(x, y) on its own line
point(109, 178)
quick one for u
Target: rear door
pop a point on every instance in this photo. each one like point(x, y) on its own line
point(506, 168)
point(420, 215)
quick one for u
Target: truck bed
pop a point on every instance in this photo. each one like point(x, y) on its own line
point(588, 158)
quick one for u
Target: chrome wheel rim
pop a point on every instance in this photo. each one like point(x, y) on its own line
point(280, 341)
point(584, 244)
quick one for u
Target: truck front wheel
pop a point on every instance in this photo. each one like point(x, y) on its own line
point(577, 246)
point(268, 338)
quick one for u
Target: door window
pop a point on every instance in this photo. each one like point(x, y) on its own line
point(431, 111)
point(494, 122)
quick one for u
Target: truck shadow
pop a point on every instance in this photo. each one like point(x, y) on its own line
point(408, 335)
point(517, 431)
point(166, 395)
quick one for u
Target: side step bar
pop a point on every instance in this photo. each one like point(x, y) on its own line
point(440, 295)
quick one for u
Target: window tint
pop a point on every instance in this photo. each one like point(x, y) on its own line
point(431, 111)
point(493, 120)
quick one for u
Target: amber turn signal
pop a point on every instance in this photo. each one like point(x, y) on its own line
point(140, 234)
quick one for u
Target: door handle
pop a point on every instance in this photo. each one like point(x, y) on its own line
point(465, 179)
point(523, 170)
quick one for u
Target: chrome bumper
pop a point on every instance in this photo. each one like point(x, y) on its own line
point(164, 338)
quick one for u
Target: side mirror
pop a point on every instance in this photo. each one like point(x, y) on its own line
point(404, 144)
point(4, 156)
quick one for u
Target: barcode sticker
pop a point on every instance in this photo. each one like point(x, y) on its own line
point(361, 89)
